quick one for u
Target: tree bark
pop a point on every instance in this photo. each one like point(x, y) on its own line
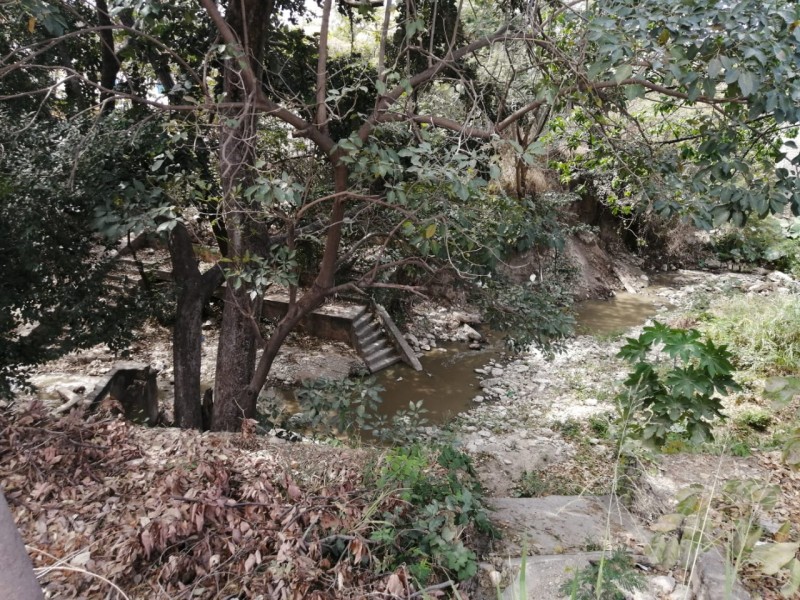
point(194, 290)
point(248, 21)
point(17, 579)
point(109, 63)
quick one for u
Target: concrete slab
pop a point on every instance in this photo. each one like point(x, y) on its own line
point(565, 524)
point(544, 575)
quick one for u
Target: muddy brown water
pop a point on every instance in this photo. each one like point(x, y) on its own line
point(448, 382)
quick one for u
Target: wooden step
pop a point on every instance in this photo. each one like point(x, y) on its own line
point(383, 363)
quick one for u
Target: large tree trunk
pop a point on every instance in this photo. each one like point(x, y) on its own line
point(248, 20)
point(17, 579)
point(194, 291)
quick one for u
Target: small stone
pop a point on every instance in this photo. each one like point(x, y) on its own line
point(481, 371)
point(484, 433)
point(591, 401)
point(425, 347)
point(475, 346)
point(471, 334)
point(478, 399)
point(497, 372)
point(594, 441)
point(507, 461)
point(662, 585)
point(778, 276)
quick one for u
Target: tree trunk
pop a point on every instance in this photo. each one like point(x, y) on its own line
point(194, 291)
point(310, 301)
point(248, 21)
point(17, 579)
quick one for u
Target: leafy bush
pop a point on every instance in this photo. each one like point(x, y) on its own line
point(529, 314)
point(762, 331)
point(337, 407)
point(680, 397)
point(770, 241)
point(439, 505)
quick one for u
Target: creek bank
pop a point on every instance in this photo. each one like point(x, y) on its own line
point(545, 416)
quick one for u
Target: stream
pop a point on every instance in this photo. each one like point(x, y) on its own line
point(448, 382)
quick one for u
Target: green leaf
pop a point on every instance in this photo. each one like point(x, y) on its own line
point(714, 67)
point(748, 83)
point(774, 556)
point(793, 584)
point(623, 72)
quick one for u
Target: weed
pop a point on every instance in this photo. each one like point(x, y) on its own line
point(534, 484)
point(439, 505)
point(740, 449)
point(756, 418)
point(600, 424)
point(570, 429)
point(607, 579)
point(727, 517)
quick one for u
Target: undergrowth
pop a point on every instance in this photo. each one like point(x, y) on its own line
point(762, 332)
point(438, 509)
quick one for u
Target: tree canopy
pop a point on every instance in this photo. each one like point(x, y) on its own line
point(380, 165)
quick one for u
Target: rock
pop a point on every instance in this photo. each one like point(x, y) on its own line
point(662, 585)
point(468, 318)
point(591, 401)
point(484, 433)
point(497, 372)
point(711, 576)
point(475, 346)
point(481, 371)
point(412, 339)
point(713, 263)
point(778, 276)
point(425, 347)
point(761, 286)
point(478, 399)
point(470, 333)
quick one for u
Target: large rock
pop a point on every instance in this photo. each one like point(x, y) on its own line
point(714, 579)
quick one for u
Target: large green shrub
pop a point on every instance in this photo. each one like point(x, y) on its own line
point(679, 395)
